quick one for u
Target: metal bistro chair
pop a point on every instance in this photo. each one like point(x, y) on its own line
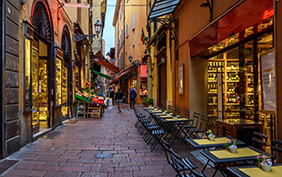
point(258, 140)
point(204, 125)
point(180, 165)
point(193, 173)
point(274, 148)
point(193, 125)
point(177, 110)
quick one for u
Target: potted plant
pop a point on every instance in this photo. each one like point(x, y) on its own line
point(264, 162)
point(210, 135)
point(168, 113)
point(148, 102)
point(231, 145)
point(175, 116)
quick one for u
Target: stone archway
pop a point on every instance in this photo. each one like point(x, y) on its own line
point(66, 42)
point(41, 21)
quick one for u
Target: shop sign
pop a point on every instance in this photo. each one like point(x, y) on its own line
point(80, 37)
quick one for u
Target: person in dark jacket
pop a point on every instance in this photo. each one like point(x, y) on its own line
point(119, 98)
point(132, 94)
point(112, 95)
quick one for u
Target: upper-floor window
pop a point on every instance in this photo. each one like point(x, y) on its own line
point(133, 21)
point(127, 29)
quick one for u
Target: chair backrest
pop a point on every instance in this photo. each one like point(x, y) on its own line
point(204, 122)
point(258, 142)
point(193, 173)
point(196, 116)
point(167, 150)
point(275, 147)
point(187, 114)
point(169, 107)
point(178, 110)
point(177, 163)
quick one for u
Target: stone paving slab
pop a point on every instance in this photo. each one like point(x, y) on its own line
point(74, 152)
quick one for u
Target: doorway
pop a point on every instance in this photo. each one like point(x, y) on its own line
point(39, 86)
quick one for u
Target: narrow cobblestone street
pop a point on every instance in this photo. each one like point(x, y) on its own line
point(76, 152)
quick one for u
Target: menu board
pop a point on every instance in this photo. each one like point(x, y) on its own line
point(268, 82)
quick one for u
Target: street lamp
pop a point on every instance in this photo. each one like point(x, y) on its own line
point(98, 26)
point(130, 58)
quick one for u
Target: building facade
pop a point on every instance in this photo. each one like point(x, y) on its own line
point(37, 42)
point(129, 22)
point(216, 58)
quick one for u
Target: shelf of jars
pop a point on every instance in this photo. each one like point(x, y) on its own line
point(230, 82)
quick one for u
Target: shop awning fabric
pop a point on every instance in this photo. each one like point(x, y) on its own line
point(104, 63)
point(101, 74)
point(124, 73)
point(163, 7)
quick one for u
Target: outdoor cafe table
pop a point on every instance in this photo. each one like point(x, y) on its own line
point(249, 171)
point(206, 144)
point(222, 157)
point(171, 123)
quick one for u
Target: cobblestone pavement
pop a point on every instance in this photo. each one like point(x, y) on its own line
point(76, 152)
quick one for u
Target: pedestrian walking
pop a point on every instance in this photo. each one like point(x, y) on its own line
point(112, 95)
point(119, 97)
point(132, 94)
point(100, 93)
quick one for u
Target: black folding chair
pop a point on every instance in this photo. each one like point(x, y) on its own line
point(276, 146)
point(177, 110)
point(259, 140)
point(204, 125)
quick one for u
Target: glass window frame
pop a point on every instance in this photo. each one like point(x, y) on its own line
point(27, 107)
point(60, 101)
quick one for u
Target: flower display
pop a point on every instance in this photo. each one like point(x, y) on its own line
point(231, 145)
point(264, 160)
point(210, 135)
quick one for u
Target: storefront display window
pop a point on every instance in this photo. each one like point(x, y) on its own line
point(65, 112)
point(240, 71)
point(64, 84)
point(35, 103)
point(58, 82)
point(27, 73)
point(143, 89)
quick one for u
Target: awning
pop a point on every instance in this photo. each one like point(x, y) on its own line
point(143, 71)
point(124, 73)
point(104, 63)
point(163, 7)
point(101, 74)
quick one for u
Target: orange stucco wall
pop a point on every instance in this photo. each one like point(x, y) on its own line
point(193, 18)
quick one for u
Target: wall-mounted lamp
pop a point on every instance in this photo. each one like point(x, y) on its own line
point(22, 2)
point(130, 58)
point(210, 6)
point(153, 66)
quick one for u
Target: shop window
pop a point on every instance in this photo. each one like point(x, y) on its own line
point(58, 82)
point(27, 79)
point(64, 83)
point(143, 89)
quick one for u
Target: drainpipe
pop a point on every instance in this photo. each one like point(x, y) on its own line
point(2, 153)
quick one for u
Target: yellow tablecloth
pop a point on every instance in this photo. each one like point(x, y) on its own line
point(241, 152)
point(160, 114)
point(178, 119)
point(156, 110)
point(275, 171)
point(166, 116)
point(220, 140)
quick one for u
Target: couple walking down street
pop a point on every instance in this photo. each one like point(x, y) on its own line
point(120, 97)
